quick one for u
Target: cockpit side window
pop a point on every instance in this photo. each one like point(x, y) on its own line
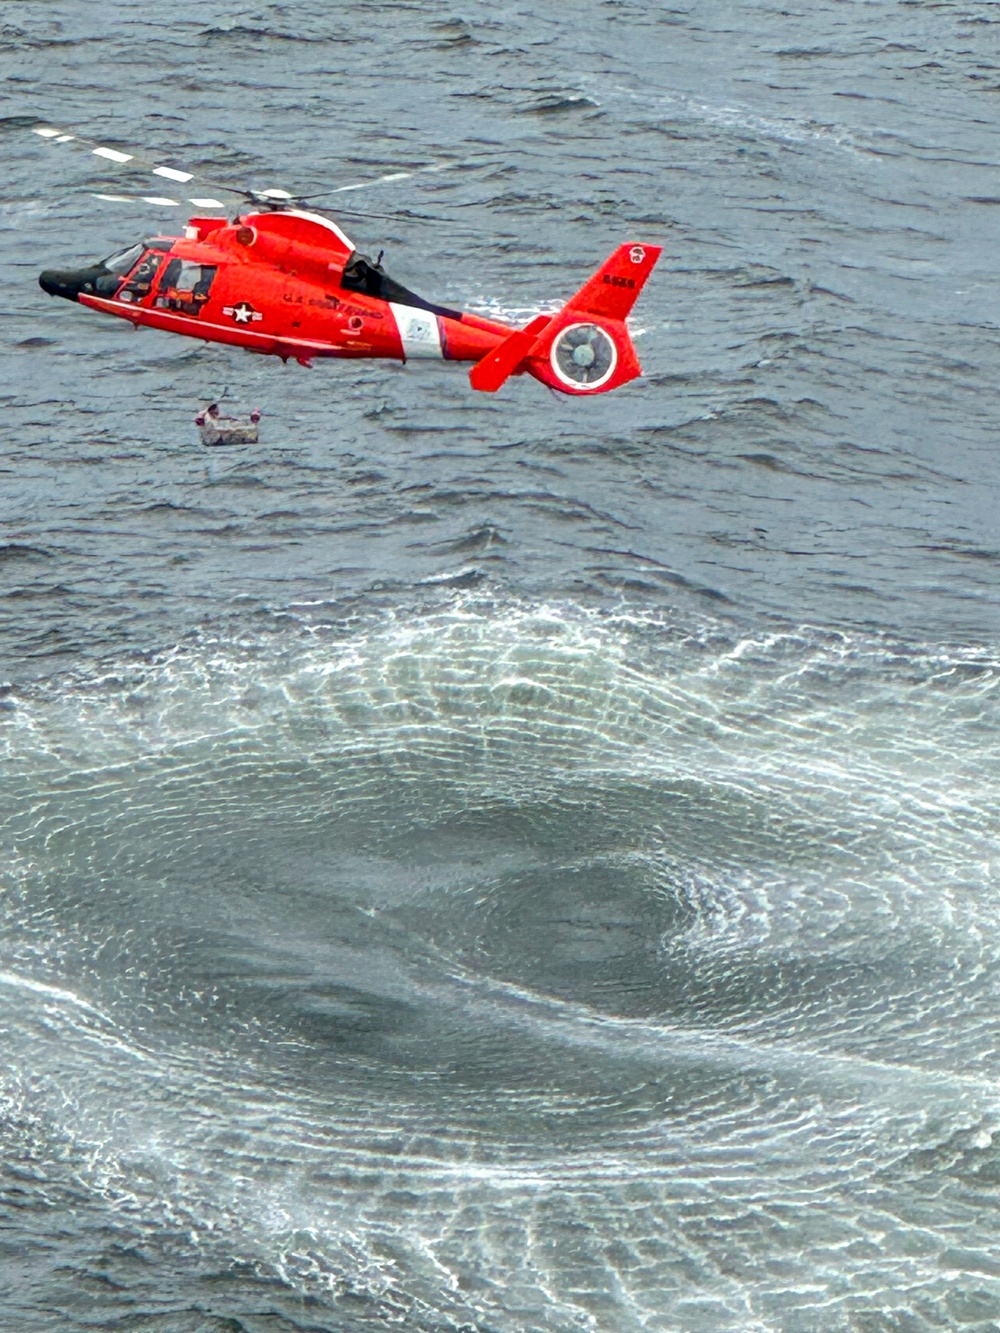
point(185, 286)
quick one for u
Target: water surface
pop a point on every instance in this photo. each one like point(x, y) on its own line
point(510, 863)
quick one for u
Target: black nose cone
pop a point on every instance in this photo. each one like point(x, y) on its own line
point(61, 282)
point(70, 282)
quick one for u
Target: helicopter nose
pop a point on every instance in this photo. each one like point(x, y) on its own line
point(61, 282)
point(70, 282)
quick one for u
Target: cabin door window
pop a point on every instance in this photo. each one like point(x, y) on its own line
point(185, 286)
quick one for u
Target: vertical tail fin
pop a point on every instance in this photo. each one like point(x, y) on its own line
point(613, 290)
point(584, 347)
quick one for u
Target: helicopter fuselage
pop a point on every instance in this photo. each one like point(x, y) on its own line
point(284, 283)
point(289, 283)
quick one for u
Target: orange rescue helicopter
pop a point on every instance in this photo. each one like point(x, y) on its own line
point(285, 281)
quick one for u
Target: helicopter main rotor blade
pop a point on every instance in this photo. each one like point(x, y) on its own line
point(273, 197)
point(393, 176)
point(138, 161)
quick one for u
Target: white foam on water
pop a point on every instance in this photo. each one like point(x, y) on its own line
point(782, 850)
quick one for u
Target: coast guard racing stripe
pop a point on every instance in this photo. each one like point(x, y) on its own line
point(418, 331)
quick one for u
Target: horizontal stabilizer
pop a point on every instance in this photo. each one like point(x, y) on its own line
point(497, 366)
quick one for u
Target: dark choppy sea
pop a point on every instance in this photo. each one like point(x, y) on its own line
point(511, 864)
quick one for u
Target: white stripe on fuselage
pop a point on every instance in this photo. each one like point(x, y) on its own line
point(418, 331)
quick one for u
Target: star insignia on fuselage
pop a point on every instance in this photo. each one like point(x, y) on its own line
point(243, 312)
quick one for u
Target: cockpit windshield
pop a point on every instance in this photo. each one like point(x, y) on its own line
point(122, 260)
point(141, 278)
